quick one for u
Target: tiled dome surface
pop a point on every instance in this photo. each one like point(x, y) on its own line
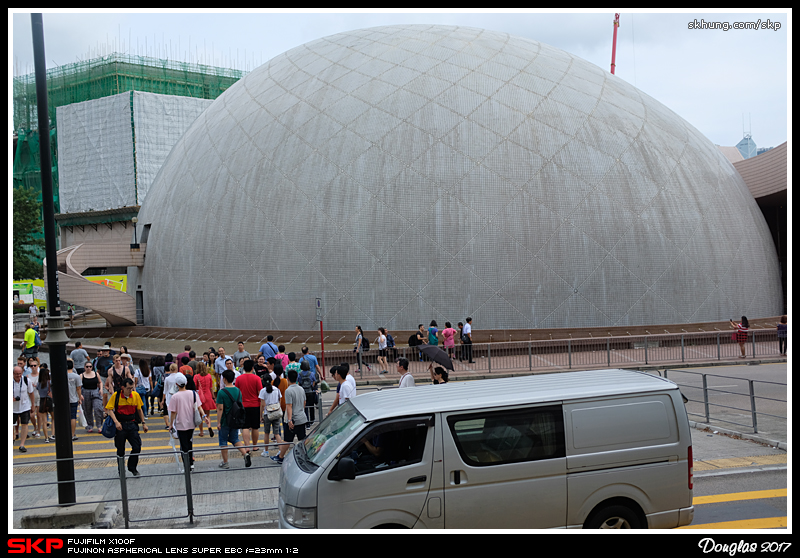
point(409, 173)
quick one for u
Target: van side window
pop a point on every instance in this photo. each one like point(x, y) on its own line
point(390, 445)
point(498, 437)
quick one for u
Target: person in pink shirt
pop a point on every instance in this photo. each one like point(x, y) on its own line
point(181, 415)
point(449, 335)
point(282, 356)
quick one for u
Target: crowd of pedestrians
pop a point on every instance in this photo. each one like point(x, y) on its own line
point(32, 400)
point(276, 389)
point(432, 335)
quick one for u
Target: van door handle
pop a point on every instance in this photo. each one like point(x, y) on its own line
point(415, 480)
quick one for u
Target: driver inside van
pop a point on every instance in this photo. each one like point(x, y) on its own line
point(390, 447)
point(370, 453)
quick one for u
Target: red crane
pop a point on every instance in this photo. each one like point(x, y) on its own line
point(614, 45)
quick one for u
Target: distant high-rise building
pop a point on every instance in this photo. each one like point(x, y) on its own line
point(747, 147)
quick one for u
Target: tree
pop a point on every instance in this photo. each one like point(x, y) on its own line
point(27, 235)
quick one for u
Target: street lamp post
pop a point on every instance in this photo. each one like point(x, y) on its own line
point(56, 337)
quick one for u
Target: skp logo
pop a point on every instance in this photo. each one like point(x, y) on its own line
point(29, 546)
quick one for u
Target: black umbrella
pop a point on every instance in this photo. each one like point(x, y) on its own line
point(437, 355)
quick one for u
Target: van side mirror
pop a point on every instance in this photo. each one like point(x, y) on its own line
point(345, 469)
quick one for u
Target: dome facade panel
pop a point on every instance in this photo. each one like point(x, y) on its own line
point(416, 172)
point(471, 139)
point(612, 289)
point(564, 118)
point(662, 252)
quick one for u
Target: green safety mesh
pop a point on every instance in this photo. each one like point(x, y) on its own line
point(93, 79)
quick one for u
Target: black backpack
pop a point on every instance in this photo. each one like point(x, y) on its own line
point(364, 343)
point(236, 417)
point(305, 382)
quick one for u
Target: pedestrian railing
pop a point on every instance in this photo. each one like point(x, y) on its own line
point(200, 489)
point(720, 404)
point(567, 354)
point(203, 482)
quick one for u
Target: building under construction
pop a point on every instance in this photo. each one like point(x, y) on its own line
point(113, 120)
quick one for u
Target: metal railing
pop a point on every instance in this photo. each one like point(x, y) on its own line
point(190, 494)
point(567, 354)
point(711, 397)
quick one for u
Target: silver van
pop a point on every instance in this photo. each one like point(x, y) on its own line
point(596, 449)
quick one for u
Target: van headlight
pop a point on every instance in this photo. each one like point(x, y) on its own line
point(302, 518)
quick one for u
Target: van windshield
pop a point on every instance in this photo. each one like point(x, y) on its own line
point(332, 432)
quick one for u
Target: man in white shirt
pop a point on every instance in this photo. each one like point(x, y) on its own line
point(220, 365)
point(22, 397)
point(347, 386)
point(468, 339)
point(406, 379)
point(170, 388)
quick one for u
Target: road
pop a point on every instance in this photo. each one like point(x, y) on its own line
point(741, 501)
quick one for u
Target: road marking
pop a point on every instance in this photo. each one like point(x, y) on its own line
point(736, 496)
point(729, 462)
point(764, 523)
point(113, 452)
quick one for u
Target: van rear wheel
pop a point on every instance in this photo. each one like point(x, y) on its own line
point(613, 517)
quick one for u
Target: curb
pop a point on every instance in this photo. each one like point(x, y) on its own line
point(743, 435)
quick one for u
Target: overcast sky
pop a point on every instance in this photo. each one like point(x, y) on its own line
point(713, 78)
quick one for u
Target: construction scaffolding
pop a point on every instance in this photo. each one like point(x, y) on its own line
point(95, 79)
point(117, 73)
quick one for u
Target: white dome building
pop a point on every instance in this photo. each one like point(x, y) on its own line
point(413, 172)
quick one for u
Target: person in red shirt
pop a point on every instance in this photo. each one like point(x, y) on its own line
point(250, 386)
point(185, 353)
point(187, 371)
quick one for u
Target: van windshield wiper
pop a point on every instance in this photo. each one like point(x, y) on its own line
point(301, 458)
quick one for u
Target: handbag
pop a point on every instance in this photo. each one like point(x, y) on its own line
point(109, 430)
point(198, 420)
point(274, 411)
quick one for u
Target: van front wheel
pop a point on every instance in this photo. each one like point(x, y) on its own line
point(613, 517)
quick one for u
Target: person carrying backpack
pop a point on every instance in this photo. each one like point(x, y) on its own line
point(360, 347)
point(391, 346)
point(125, 409)
point(29, 346)
point(229, 400)
point(308, 381)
